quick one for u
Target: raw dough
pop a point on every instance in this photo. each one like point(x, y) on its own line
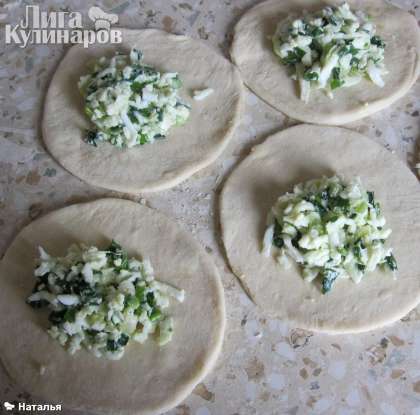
point(298, 154)
point(167, 162)
point(268, 77)
point(148, 379)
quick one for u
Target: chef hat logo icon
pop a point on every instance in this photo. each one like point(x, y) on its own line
point(9, 406)
point(101, 19)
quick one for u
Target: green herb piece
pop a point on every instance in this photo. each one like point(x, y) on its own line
point(57, 317)
point(132, 115)
point(137, 87)
point(295, 240)
point(38, 304)
point(310, 76)
point(391, 262)
point(91, 138)
point(140, 294)
point(70, 315)
point(294, 56)
point(328, 277)
point(112, 345)
point(371, 197)
point(155, 314)
point(277, 238)
point(315, 31)
point(340, 203)
point(376, 40)
point(336, 82)
point(177, 83)
point(132, 301)
point(143, 139)
point(123, 340)
point(150, 298)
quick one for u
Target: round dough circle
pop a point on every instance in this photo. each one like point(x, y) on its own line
point(302, 153)
point(264, 74)
point(164, 163)
point(148, 379)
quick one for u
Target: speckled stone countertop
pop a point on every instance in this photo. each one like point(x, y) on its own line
point(266, 367)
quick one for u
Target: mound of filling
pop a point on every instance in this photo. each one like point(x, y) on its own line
point(102, 299)
point(131, 103)
point(332, 229)
point(331, 49)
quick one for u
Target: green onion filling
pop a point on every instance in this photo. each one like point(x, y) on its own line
point(100, 300)
point(131, 103)
point(331, 49)
point(333, 229)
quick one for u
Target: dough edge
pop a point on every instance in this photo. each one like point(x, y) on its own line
point(334, 119)
point(201, 371)
point(242, 276)
point(172, 179)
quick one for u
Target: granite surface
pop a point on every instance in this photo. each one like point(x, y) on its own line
point(266, 367)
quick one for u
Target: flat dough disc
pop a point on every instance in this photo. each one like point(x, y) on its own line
point(268, 78)
point(148, 379)
point(306, 152)
point(166, 162)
